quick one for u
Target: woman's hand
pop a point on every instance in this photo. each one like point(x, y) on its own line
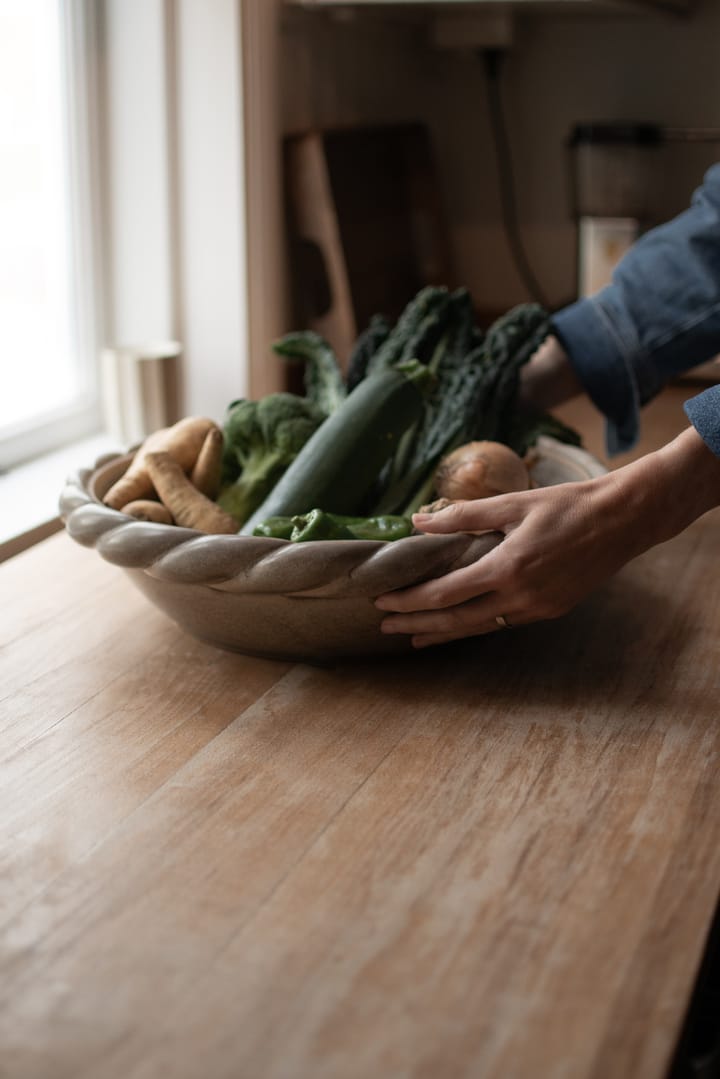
point(560, 543)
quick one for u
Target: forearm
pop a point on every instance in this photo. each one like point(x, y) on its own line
point(559, 543)
point(663, 492)
point(660, 316)
point(548, 379)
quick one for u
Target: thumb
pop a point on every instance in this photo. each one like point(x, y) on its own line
point(471, 515)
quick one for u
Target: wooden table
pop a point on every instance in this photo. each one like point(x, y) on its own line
point(497, 859)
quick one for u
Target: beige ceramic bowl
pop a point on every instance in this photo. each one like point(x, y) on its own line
point(271, 597)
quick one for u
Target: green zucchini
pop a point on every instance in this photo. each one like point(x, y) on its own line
point(339, 464)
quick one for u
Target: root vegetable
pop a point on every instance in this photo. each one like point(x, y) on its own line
point(183, 441)
point(189, 507)
point(480, 470)
point(144, 509)
point(208, 467)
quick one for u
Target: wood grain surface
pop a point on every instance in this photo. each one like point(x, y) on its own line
point(499, 859)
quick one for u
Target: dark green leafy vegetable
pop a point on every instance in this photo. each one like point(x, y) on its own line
point(460, 368)
point(526, 428)
point(261, 439)
point(509, 344)
point(324, 384)
point(420, 389)
point(416, 332)
point(365, 348)
point(473, 399)
point(452, 363)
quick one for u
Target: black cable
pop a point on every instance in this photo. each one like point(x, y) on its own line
point(506, 180)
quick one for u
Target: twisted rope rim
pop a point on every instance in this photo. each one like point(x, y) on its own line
point(254, 564)
point(251, 564)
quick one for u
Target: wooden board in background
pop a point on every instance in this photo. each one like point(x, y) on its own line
point(366, 226)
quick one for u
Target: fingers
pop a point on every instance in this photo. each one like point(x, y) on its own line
point(456, 587)
point(474, 618)
point(524, 578)
point(427, 640)
point(465, 620)
point(473, 515)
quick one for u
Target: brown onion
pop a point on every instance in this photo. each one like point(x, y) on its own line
point(480, 470)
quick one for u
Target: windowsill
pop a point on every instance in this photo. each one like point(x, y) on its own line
point(29, 493)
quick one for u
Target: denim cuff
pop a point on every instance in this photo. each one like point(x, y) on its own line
point(599, 356)
point(703, 412)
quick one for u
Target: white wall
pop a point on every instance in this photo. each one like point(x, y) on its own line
point(266, 262)
point(175, 201)
point(211, 218)
point(137, 172)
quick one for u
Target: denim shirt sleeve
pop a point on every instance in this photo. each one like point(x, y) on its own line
point(659, 317)
point(703, 412)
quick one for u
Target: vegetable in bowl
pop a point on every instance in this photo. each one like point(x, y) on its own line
point(469, 397)
point(304, 587)
point(369, 445)
point(262, 439)
point(320, 525)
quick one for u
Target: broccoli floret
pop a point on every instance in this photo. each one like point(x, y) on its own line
point(261, 439)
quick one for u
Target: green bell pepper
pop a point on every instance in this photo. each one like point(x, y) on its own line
point(319, 525)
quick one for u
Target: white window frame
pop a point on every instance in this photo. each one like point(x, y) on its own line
point(199, 121)
point(46, 431)
point(201, 112)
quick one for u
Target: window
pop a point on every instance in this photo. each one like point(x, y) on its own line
point(48, 297)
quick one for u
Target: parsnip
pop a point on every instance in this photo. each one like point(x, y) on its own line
point(208, 467)
point(183, 441)
point(189, 507)
point(144, 509)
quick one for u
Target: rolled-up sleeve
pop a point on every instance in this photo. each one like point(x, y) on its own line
point(703, 412)
point(659, 317)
